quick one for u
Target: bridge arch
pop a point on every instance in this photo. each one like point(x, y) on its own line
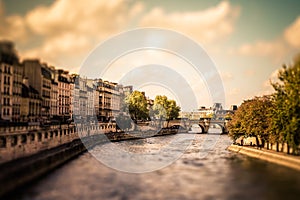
point(196, 128)
point(216, 128)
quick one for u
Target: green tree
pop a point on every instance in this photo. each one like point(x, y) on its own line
point(164, 108)
point(286, 115)
point(137, 105)
point(159, 107)
point(253, 118)
point(211, 115)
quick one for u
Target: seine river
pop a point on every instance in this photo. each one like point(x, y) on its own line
point(200, 172)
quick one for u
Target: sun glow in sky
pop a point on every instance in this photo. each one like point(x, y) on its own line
point(248, 40)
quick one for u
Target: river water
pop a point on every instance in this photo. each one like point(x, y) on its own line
point(218, 174)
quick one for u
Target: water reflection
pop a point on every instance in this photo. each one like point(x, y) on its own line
point(219, 175)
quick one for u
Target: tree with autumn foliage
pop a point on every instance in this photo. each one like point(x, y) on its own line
point(286, 115)
point(253, 118)
point(274, 118)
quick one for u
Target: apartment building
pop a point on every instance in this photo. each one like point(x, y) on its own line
point(9, 83)
point(39, 77)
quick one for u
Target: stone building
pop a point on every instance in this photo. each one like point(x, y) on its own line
point(83, 98)
point(6, 83)
point(72, 94)
point(39, 77)
point(78, 98)
point(109, 100)
point(201, 113)
point(63, 80)
point(17, 92)
point(53, 95)
point(127, 90)
point(31, 103)
point(96, 100)
point(10, 82)
point(91, 103)
point(32, 91)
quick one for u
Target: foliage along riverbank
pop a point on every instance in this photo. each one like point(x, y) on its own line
point(274, 118)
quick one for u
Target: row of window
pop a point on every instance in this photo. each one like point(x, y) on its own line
point(64, 85)
point(32, 104)
point(16, 111)
point(6, 90)
point(46, 84)
point(46, 93)
point(5, 111)
point(7, 69)
point(63, 111)
point(6, 101)
point(46, 103)
point(7, 80)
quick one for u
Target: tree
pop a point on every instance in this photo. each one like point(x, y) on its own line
point(286, 117)
point(164, 108)
point(159, 107)
point(137, 105)
point(211, 115)
point(253, 118)
point(274, 118)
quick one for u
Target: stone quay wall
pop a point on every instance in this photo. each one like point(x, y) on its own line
point(17, 142)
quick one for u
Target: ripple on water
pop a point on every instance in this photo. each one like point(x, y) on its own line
point(218, 175)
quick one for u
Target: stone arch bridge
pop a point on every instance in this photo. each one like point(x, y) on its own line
point(206, 125)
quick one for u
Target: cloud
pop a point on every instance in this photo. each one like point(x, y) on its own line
point(206, 26)
point(89, 17)
point(273, 78)
point(234, 91)
point(12, 27)
point(292, 34)
point(226, 76)
point(250, 73)
point(65, 31)
point(274, 49)
point(70, 29)
point(66, 50)
point(267, 88)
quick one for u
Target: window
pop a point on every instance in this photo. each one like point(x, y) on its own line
point(2, 142)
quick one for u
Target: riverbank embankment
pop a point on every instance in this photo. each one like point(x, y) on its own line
point(268, 155)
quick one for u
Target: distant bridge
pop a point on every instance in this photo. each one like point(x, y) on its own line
point(206, 125)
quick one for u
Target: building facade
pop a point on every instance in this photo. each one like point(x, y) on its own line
point(6, 82)
point(63, 80)
point(53, 96)
point(17, 92)
point(109, 100)
point(32, 91)
point(10, 80)
point(31, 103)
point(39, 77)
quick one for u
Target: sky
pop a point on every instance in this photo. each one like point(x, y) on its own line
point(248, 41)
